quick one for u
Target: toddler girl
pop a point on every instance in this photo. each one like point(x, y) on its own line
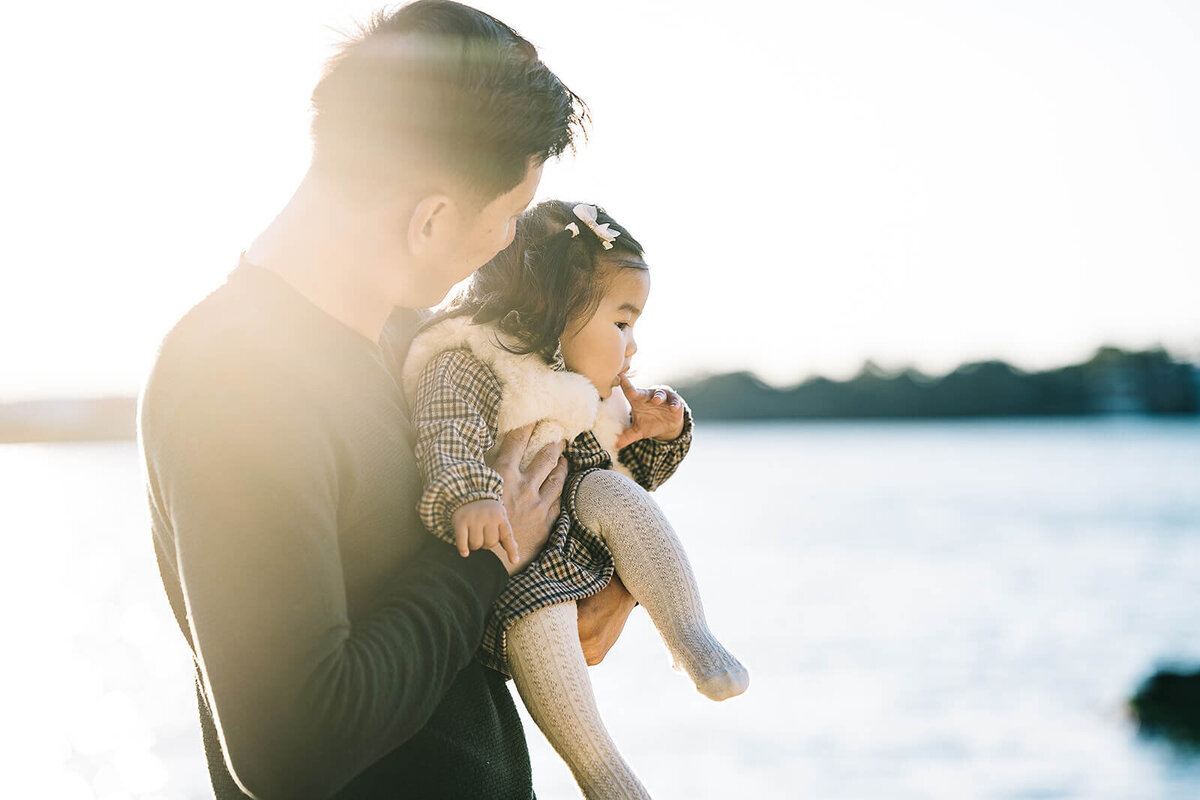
point(544, 333)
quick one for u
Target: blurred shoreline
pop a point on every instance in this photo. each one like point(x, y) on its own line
point(85, 419)
point(1112, 381)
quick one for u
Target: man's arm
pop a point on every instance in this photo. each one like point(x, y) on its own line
point(303, 699)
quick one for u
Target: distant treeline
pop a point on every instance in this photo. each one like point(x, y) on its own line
point(74, 420)
point(1111, 381)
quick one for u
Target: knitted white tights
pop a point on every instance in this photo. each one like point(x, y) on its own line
point(655, 569)
point(547, 662)
point(550, 672)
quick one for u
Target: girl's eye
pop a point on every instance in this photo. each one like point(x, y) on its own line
point(622, 325)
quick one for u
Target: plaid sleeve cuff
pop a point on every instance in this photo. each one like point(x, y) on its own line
point(463, 483)
point(653, 461)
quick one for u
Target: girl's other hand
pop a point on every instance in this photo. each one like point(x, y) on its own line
point(656, 414)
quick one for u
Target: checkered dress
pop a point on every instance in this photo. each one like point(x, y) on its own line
point(457, 403)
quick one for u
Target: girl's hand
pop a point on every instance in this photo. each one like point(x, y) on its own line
point(480, 524)
point(656, 414)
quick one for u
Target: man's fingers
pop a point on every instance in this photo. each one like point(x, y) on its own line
point(602, 618)
point(476, 538)
point(513, 446)
point(553, 485)
point(461, 540)
point(543, 463)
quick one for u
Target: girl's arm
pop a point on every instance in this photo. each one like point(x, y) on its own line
point(659, 436)
point(652, 461)
point(454, 415)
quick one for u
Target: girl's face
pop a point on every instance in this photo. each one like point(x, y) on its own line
point(601, 347)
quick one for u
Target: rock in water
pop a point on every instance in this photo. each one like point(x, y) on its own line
point(1168, 704)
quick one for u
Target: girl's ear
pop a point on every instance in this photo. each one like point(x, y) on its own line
point(430, 226)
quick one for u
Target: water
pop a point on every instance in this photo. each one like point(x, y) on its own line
point(928, 610)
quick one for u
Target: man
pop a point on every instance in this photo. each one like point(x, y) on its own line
point(333, 636)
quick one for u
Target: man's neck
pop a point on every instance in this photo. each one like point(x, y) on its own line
point(327, 251)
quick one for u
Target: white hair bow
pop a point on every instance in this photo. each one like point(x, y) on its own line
point(587, 215)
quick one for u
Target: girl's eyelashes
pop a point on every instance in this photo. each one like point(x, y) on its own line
point(622, 325)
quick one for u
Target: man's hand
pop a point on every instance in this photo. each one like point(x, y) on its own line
point(483, 523)
point(602, 617)
point(656, 414)
point(531, 495)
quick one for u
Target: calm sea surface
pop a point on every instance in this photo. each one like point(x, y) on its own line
point(928, 610)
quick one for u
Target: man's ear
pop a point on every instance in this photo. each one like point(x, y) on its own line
point(430, 225)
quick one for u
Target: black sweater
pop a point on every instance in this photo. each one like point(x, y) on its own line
point(333, 635)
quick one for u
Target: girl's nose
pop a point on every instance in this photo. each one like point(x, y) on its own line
point(630, 348)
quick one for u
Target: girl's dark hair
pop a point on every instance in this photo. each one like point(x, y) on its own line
point(545, 278)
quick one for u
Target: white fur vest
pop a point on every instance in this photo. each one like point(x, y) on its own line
point(562, 404)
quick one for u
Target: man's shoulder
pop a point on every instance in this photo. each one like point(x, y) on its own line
point(213, 329)
point(221, 346)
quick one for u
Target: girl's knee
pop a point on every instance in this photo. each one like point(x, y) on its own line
point(605, 488)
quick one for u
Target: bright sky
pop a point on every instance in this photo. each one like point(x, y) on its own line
point(816, 182)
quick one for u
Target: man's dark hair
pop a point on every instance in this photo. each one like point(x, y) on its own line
point(440, 86)
point(547, 277)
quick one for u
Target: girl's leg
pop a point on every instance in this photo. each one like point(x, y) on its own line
point(548, 667)
point(653, 565)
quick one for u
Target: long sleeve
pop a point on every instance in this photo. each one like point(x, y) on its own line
point(304, 697)
point(652, 461)
point(457, 400)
